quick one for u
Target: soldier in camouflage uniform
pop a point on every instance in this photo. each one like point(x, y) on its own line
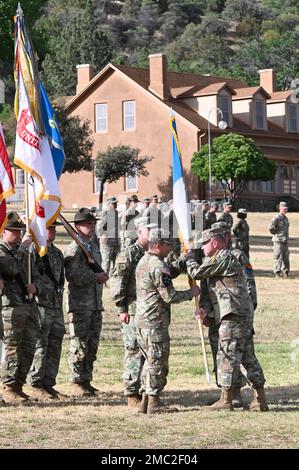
point(1, 322)
point(226, 216)
point(241, 232)
point(210, 216)
point(44, 369)
point(279, 228)
point(19, 312)
point(153, 213)
point(128, 218)
point(84, 305)
point(230, 305)
point(155, 293)
point(107, 231)
point(123, 292)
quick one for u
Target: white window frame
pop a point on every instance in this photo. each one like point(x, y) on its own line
point(127, 179)
point(226, 109)
point(20, 178)
point(293, 106)
point(263, 115)
point(101, 119)
point(129, 115)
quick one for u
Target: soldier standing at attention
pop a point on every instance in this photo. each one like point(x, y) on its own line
point(19, 312)
point(232, 311)
point(210, 216)
point(44, 369)
point(107, 231)
point(127, 222)
point(226, 216)
point(155, 293)
point(123, 293)
point(84, 304)
point(279, 228)
point(241, 232)
point(153, 212)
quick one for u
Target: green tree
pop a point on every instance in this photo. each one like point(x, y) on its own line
point(235, 160)
point(80, 42)
point(77, 141)
point(119, 161)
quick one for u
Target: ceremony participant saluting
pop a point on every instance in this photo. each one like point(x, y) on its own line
point(241, 232)
point(19, 311)
point(44, 369)
point(226, 216)
point(84, 304)
point(279, 228)
point(155, 293)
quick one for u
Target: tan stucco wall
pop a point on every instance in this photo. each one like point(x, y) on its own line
point(152, 135)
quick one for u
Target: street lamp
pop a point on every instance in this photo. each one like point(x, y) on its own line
point(222, 125)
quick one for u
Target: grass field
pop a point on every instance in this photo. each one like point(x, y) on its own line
point(105, 422)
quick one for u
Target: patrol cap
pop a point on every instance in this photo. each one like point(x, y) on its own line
point(146, 199)
point(228, 204)
point(155, 196)
point(204, 201)
point(14, 222)
point(84, 215)
point(242, 211)
point(213, 204)
point(160, 235)
point(210, 233)
point(142, 222)
point(112, 200)
point(221, 226)
point(283, 204)
point(133, 198)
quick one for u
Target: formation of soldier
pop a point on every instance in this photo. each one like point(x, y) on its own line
point(139, 251)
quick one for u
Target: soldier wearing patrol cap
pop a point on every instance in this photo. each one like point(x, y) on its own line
point(279, 228)
point(84, 304)
point(155, 294)
point(153, 212)
point(107, 231)
point(146, 202)
point(210, 215)
point(123, 292)
point(45, 365)
point(228, 300)
point(241, 232)
point(19, 310)
point(226, 216)
point(129, 235)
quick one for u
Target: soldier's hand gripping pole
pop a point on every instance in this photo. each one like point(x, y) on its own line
point(75, 235)
point(192, 283)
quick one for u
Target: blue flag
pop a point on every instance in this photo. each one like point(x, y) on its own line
point(52, 131)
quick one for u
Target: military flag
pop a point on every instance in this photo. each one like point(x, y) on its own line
point(180, 205)
point(32, 149)
point(6, 180)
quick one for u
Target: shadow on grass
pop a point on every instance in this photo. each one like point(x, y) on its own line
point(267, 273)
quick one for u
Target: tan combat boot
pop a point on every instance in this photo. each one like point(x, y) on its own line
point(80, 391)
point(143, 404)
point(237, 398)
point(12, 395)
point(155, 405)
point(41, 394)
point(259, 402)
point(134, 400)
point(224, 403)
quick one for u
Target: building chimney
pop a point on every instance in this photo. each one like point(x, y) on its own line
point(84, 75)
point(268, 80)
point(158, 76)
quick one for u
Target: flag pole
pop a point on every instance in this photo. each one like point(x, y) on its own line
point(27, 228)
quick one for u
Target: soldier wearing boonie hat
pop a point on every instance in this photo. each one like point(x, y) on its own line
point(241, 232)
point(279, 228)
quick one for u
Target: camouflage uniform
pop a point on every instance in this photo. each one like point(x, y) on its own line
point(227, 218)
point(123, 292)
point(108, 234)
point(155, 293)
point(210, 218)
point(46, 360)
point(20, 316)
point(85, 311)
point(241, 232)
point(279, 228)
point(129, 235)
point(154, 215)
point(229, 305)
